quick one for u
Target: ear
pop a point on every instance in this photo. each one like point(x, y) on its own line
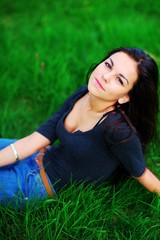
point(124, 99)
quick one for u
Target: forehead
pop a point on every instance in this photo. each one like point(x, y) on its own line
point(121, 58)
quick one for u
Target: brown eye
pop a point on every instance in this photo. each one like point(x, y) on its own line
point(108, 65)
point(120, 81)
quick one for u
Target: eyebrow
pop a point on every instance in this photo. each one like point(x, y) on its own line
point(112, 63)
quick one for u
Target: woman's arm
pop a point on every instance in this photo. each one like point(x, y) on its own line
point(24, 147)
point(149, 181)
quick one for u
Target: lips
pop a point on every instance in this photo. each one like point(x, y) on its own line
point(99, 84)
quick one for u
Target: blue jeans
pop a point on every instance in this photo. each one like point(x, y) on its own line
point(20, 182)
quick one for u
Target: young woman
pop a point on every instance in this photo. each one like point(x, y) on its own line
point(102, 126)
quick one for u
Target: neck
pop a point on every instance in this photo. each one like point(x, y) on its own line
point(98, 105)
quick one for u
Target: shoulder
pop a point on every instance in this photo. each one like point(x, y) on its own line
point(118, 128)
point(80, 91)
point(75, 96)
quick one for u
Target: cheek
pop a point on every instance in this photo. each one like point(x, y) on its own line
point(116, 91)
point(98, 70)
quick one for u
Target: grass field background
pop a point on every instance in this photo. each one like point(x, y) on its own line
point(46, 48)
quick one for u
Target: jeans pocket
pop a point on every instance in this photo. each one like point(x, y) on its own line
point(34, 188)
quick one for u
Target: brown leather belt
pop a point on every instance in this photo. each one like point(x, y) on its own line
point(44, 177)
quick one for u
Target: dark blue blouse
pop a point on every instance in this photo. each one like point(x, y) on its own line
point(91, 155)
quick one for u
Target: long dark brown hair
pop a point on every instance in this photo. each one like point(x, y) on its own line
point(142, 109)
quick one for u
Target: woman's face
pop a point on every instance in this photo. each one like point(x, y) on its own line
point(112, 79)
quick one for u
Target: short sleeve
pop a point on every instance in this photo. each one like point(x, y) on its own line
point(125, 146)
point(48, 128)
point(130, 155)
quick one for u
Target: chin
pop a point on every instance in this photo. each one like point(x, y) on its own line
point(94, 92)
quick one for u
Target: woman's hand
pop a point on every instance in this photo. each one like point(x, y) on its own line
point(149, 181)
point(24, 148)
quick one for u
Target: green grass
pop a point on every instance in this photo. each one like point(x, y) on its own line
point(46, 49)
point(125, 211)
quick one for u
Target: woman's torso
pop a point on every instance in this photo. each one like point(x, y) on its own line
point(83, 152)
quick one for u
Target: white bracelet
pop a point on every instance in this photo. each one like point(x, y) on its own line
point(15, 153)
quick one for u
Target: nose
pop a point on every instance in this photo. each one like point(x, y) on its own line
point(107, 77)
